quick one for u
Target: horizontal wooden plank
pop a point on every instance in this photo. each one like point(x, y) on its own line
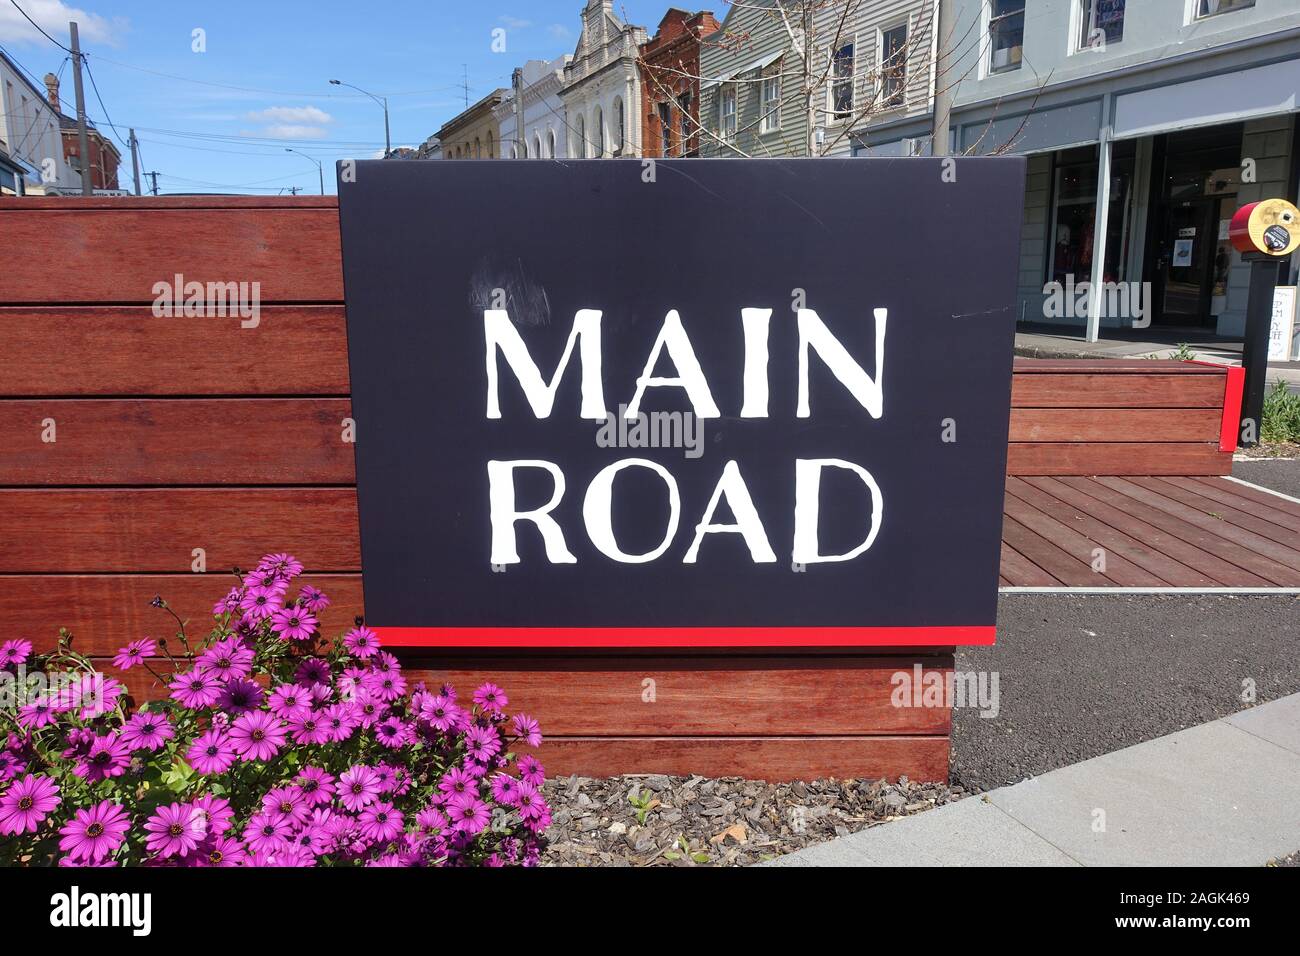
point(77, 531)
point(175, 442)
point(1063, 389)
point(105, 611)
point(1117, 458)
point(1125, 366)
point(756, 758)
point(65, 203)
point(117, 254)
point(699, 696)
point(1254, 494)
point(126, 350)
point(1115, 424)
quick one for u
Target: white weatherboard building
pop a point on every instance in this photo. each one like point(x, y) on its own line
point(31, 142)
point(545, 128)
point(1147, 123)
point(602, 86)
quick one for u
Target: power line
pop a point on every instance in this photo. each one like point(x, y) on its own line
point(39, 27)
point(95, 86)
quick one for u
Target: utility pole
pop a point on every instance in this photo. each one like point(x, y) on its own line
point(83, 140)
point(465, 83)
point(153, 176)
point(135, 160)
point(945, 60)
point(521, 142)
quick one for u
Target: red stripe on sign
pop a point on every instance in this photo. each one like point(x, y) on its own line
point(634, 637)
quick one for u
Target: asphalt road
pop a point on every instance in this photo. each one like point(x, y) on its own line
point(1080, 676)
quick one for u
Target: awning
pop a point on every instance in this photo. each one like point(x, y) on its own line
point(759, 64)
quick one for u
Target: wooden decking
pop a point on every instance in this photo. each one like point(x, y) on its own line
point(1204, 533)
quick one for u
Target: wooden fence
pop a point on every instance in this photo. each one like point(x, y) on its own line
point(176, 434)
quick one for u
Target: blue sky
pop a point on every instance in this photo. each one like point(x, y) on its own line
point(219, 120)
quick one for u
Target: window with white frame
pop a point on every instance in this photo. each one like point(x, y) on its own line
point(727, 111)
point(771, 98)
point(842, 82)
point(1210, 8)
point(893, 66)
point(1006, 34)
point(1101, 22)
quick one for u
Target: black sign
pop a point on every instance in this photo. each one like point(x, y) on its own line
point(681, 403)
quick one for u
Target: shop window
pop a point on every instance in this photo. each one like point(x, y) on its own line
point(1074, 205)
point(1210, 8)
point(1101, 23)
point(1006, 34)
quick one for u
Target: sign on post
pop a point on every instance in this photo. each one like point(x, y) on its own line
point(695, 403)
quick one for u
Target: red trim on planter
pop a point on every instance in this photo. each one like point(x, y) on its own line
point(1233, 388)
point(634, 637)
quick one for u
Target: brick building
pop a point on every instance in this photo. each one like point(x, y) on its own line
point(670, 83)
point(104, 156)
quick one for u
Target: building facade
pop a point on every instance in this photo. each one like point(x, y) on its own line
point(1147, 123)
point(670, 84)
point(32, 156)
point(534, 104)
point(602, 86)
point(816, 79)
point(104, 155)
point(473, 133)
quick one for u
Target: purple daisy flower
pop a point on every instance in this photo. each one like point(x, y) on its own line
point(267, 832)
point(108, 756)
point(257, 735)
point(443, 713)
point(212, 752)
point(505, 790)
point(308, 728)
point(316, 785)
point(195, 690)
point(288, 802)
point(392, 732)
point(385, 685)
point(431, 820)
point(361, 642)
point(491, 698)
point(468, 814)
point(482, 743)
point(93, 834)
point(528, 800)
point(13, 653)
point(289, 700)
point(222, 851)
point(293, 623)
point(26, 803)
point(226, 660)
point(380, 822)
point(311, 671)
point(145, 731)
point(313, 599)
point(240, 696)
point(259, 603)
point(37, 714)
point(135, 653)
point(282, 565)
point(457, 782)
point(174, 830)
point(229, 603)
point(217, 813)
point(358, 786)
point(529, 730)
point(531, 770)
point(339, 722)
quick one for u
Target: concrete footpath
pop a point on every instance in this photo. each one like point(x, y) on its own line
point(1225, 793)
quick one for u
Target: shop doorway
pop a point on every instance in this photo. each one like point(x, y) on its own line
point(1196, 175)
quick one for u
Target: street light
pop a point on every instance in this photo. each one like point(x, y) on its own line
point(382, 101)
point(319, 168)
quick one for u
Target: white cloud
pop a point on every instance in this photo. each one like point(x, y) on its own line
point(305, 115)
point(290, 122)
point(559, 31)
point(53, 16)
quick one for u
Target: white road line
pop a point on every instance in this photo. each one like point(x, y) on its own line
point(1165, 590)
point(1251, 484)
